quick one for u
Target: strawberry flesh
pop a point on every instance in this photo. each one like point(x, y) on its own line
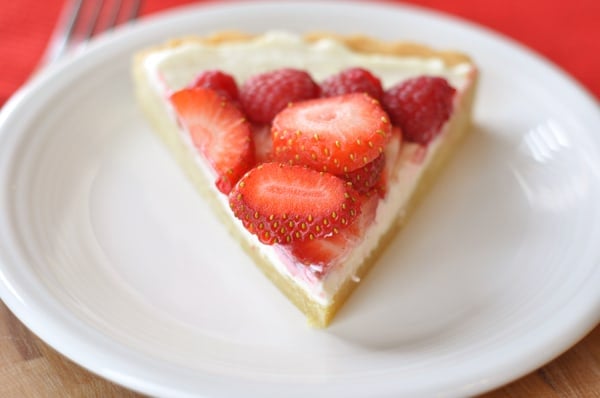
point(335, 134)
point(281, 203)
point(326, 252)
point(219, 131)
point(263, 143)
point(366, 177)
point(392, 154)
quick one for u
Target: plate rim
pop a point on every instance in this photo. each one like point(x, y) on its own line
point(41, 318)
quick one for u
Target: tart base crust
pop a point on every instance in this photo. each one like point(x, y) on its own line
point(318, 315)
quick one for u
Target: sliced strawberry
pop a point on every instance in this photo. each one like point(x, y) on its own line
point(381, 186)
point(392, 149)
point(322, 254)
point(263, 143)
point(368, 210)
point(281, 203)
point(335, 134)
point(220, 132)
point(365, 178)
point(326, 252)
point(392, 154)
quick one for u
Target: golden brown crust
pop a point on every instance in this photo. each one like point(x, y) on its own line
point(369, 45)
point(358, 43)
point(317, 314)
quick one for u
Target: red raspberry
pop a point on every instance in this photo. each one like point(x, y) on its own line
point(335, 134)
point(419, 106)
point(265, 95)
point(352, 80)
point(219, 81)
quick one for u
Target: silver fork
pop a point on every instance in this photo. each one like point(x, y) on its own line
point(81, 20)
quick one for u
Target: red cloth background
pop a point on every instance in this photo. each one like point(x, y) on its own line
point(566, 32)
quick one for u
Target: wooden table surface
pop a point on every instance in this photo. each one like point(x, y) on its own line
point(30, 368)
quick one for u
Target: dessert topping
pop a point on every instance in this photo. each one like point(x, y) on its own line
point(352, 80)
point(265, 94)
point(334, 134)
point(366, 177)
point(420, 106)
point(315, 156)
point(220, 132)
point(219, 81)
point(263, 143)
point(326, 251)
point(282, 203)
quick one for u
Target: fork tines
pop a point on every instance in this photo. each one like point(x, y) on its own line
point(83, 19)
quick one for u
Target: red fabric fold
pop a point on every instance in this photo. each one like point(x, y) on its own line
point(567, 33)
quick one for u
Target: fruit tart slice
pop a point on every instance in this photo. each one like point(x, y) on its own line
point(313, 149)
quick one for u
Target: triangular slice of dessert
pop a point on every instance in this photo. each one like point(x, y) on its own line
point(313, 149)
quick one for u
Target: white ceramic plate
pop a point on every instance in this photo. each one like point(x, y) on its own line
point(110, 256)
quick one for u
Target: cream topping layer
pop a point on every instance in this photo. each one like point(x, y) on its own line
point(174, 68)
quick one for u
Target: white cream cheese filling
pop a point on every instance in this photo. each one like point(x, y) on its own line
point(174, 68)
